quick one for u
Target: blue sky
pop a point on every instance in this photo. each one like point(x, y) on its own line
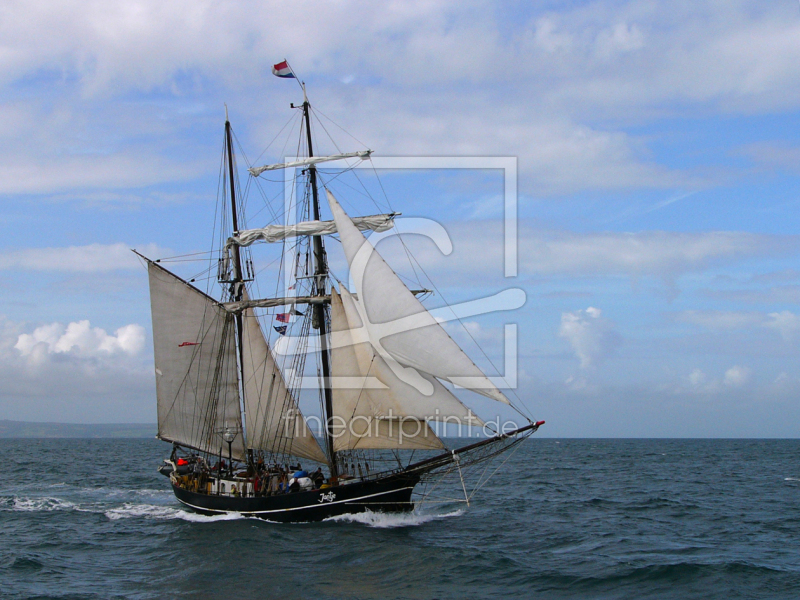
point(658, 156)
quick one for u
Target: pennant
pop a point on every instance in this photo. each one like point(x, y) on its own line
point(282, 69)
point(291, 287)
point(188, 344)
point(297, 313)
point(280, 329)
point(282, 317)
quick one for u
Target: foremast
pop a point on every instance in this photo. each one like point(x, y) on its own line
point(237, 284)
point(319, 289)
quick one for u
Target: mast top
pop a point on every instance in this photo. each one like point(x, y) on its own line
point(226, 111)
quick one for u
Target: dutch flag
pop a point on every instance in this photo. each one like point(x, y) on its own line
point(282, 69)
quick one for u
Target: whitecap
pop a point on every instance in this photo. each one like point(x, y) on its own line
point(390, 520)
point(792, 479)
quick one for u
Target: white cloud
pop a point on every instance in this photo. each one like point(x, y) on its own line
point(478, 253)
point(67, 143)
point(734, 377)
point(786, 323)
point(81, 339)
point(697, 378)
point(473, 330)
point(591, 336)
point(700, 383)
point(771, 155)
point(29, 173)
point(696, 51)
point(737, 376)
point(622, 37)
point(786, 384)
point(75, 373)
point(93, 258)
point(665, 254)
point(563, 69)
point(579, 384)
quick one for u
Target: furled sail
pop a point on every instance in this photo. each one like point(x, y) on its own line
point(241, 305)
point(272, 417)
point(197, 382)
point(277, 233)
point(313, 160)
point(287, 301)
point(367, 412)
point(399, 326)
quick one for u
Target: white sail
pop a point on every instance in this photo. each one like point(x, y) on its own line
point(277, 233)
point(313, 160)
point(197, 383)
point(441, 405)
point(273, 420)
point(399, 326)
point(367, 413)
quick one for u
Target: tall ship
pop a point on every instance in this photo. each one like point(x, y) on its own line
point(234, 363)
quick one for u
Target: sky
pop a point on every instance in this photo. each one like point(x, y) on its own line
point(658, 162)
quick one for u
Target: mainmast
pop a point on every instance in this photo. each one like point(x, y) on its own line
point(320, 279)
point(237, 284)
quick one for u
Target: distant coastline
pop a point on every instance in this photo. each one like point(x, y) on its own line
point(28, 429)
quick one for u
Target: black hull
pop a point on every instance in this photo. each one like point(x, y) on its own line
point(389, 494)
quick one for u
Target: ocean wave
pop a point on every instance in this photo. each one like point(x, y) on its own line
point(151, 511)
point(391, 520)
point(26, 563)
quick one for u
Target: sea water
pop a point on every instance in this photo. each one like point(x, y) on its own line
point(560, 519)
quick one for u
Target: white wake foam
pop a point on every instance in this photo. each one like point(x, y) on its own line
point(389, 520)
point(151, 511)
point(792, 479)
point(44, 504)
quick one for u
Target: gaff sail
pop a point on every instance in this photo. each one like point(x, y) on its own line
point(197, 383)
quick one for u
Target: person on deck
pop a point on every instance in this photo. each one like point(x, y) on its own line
point(318, 478)
point(274, 481)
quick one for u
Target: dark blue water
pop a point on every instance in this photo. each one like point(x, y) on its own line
point(562, 519)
